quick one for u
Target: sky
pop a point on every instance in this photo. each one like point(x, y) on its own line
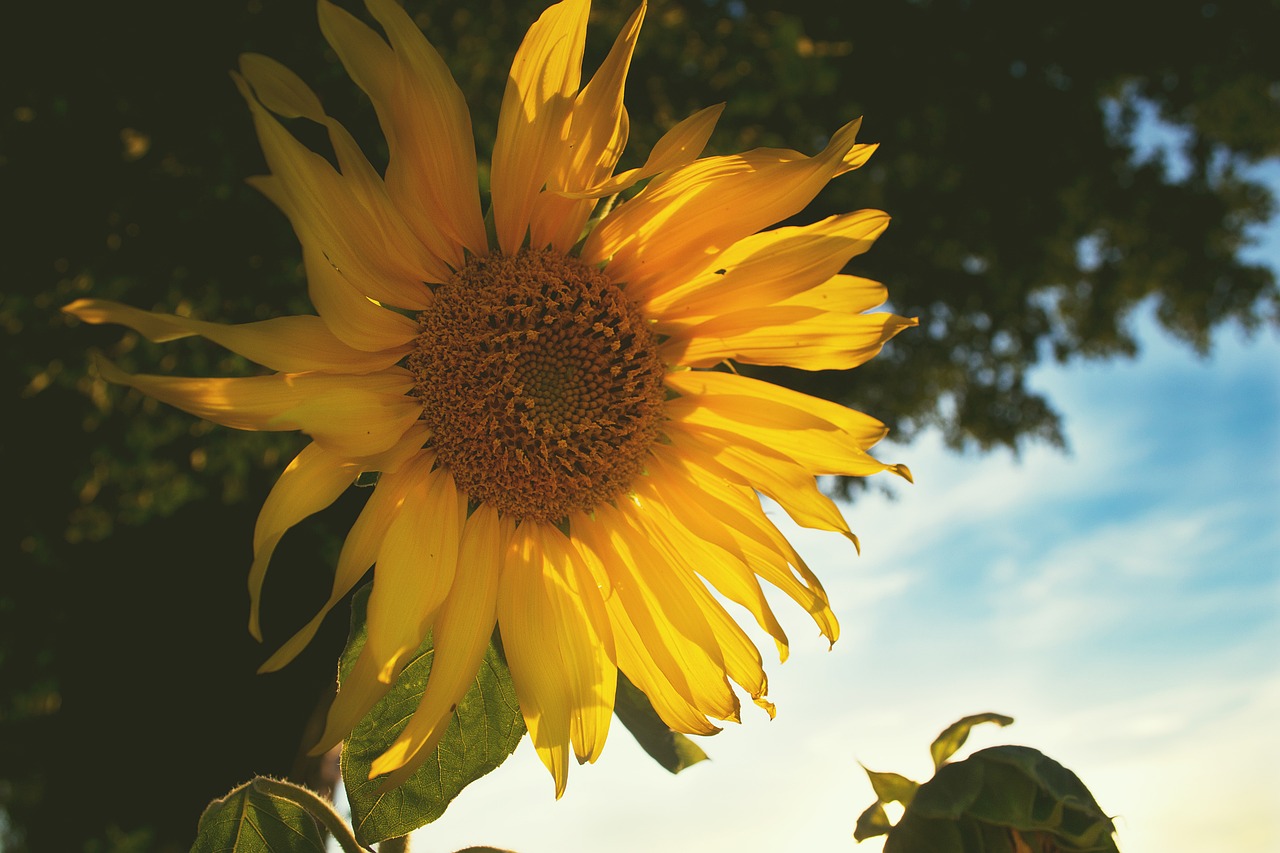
point(1120, 600)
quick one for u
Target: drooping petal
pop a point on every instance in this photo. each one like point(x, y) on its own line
point(312, 481)
point(667, 688)
point(460, 637)
point(825, 437)
point(683, 220)
point(741, 659)
point(285, 344)
point(363, 541)
point(415, 567)
point(347, 415)
point(586, 643)
point(773, 266)
point(284, 93)
point(535, 107)
point(327, 208)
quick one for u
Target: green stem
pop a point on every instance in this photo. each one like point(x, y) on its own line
point(317, 806)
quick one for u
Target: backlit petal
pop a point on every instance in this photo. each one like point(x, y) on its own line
point(312, 481)
point(535, 108)
point(683, 220)
point(415, 567)
point(285, 344)
point(596, 134)
point(825, 437)
point(329, 208)
point(348, 415)
point(788, 334)
point(776, 265)
point(460, 637)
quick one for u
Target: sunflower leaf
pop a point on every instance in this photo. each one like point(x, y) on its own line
point(262, 816)
point(953, 736)
point(669, 748)
point(485, 729)
point(1003, 799)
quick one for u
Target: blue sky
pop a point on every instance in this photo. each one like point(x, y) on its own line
point(1120, 600)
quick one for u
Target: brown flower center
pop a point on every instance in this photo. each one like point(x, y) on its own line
point(540, 381)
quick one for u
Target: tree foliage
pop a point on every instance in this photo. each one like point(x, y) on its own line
point(1026, 226)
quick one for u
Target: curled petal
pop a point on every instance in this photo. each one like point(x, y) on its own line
point(285, 344)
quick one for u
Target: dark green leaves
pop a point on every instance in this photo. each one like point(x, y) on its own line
point(485, 729)
point(671, 749)
point(269, 816)
point(1006, 799)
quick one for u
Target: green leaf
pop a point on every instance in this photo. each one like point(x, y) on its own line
point(671, 749)
point(953, 736)
point(872, 822)
point(485, 729)
point(996, 795)
point(892, 787)
point(261, 816)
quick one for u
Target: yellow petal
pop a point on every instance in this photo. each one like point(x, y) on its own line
point(691, 531)
point(312, 481)
point(428, 128)
point(460, 637)
point(670, 626)
point(679, 146)
point(586, 643)
point(787, 335)
point(285, 344)
point(353, 318)
point(596, 134)
point(679, 223)
point(772, 473)
point(360, 691)
point(543, 82)
point(362, 543)
point(284, 93)
point(825, 437)
point(776, 265)
point(332, 211)
point(745, 531)
point(529, 638)
point(348, 415)
point(670, 695)
point(415, 567)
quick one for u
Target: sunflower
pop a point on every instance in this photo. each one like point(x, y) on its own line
point(559, 454)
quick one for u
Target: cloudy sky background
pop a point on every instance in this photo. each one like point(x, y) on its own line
point(1121, 601)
